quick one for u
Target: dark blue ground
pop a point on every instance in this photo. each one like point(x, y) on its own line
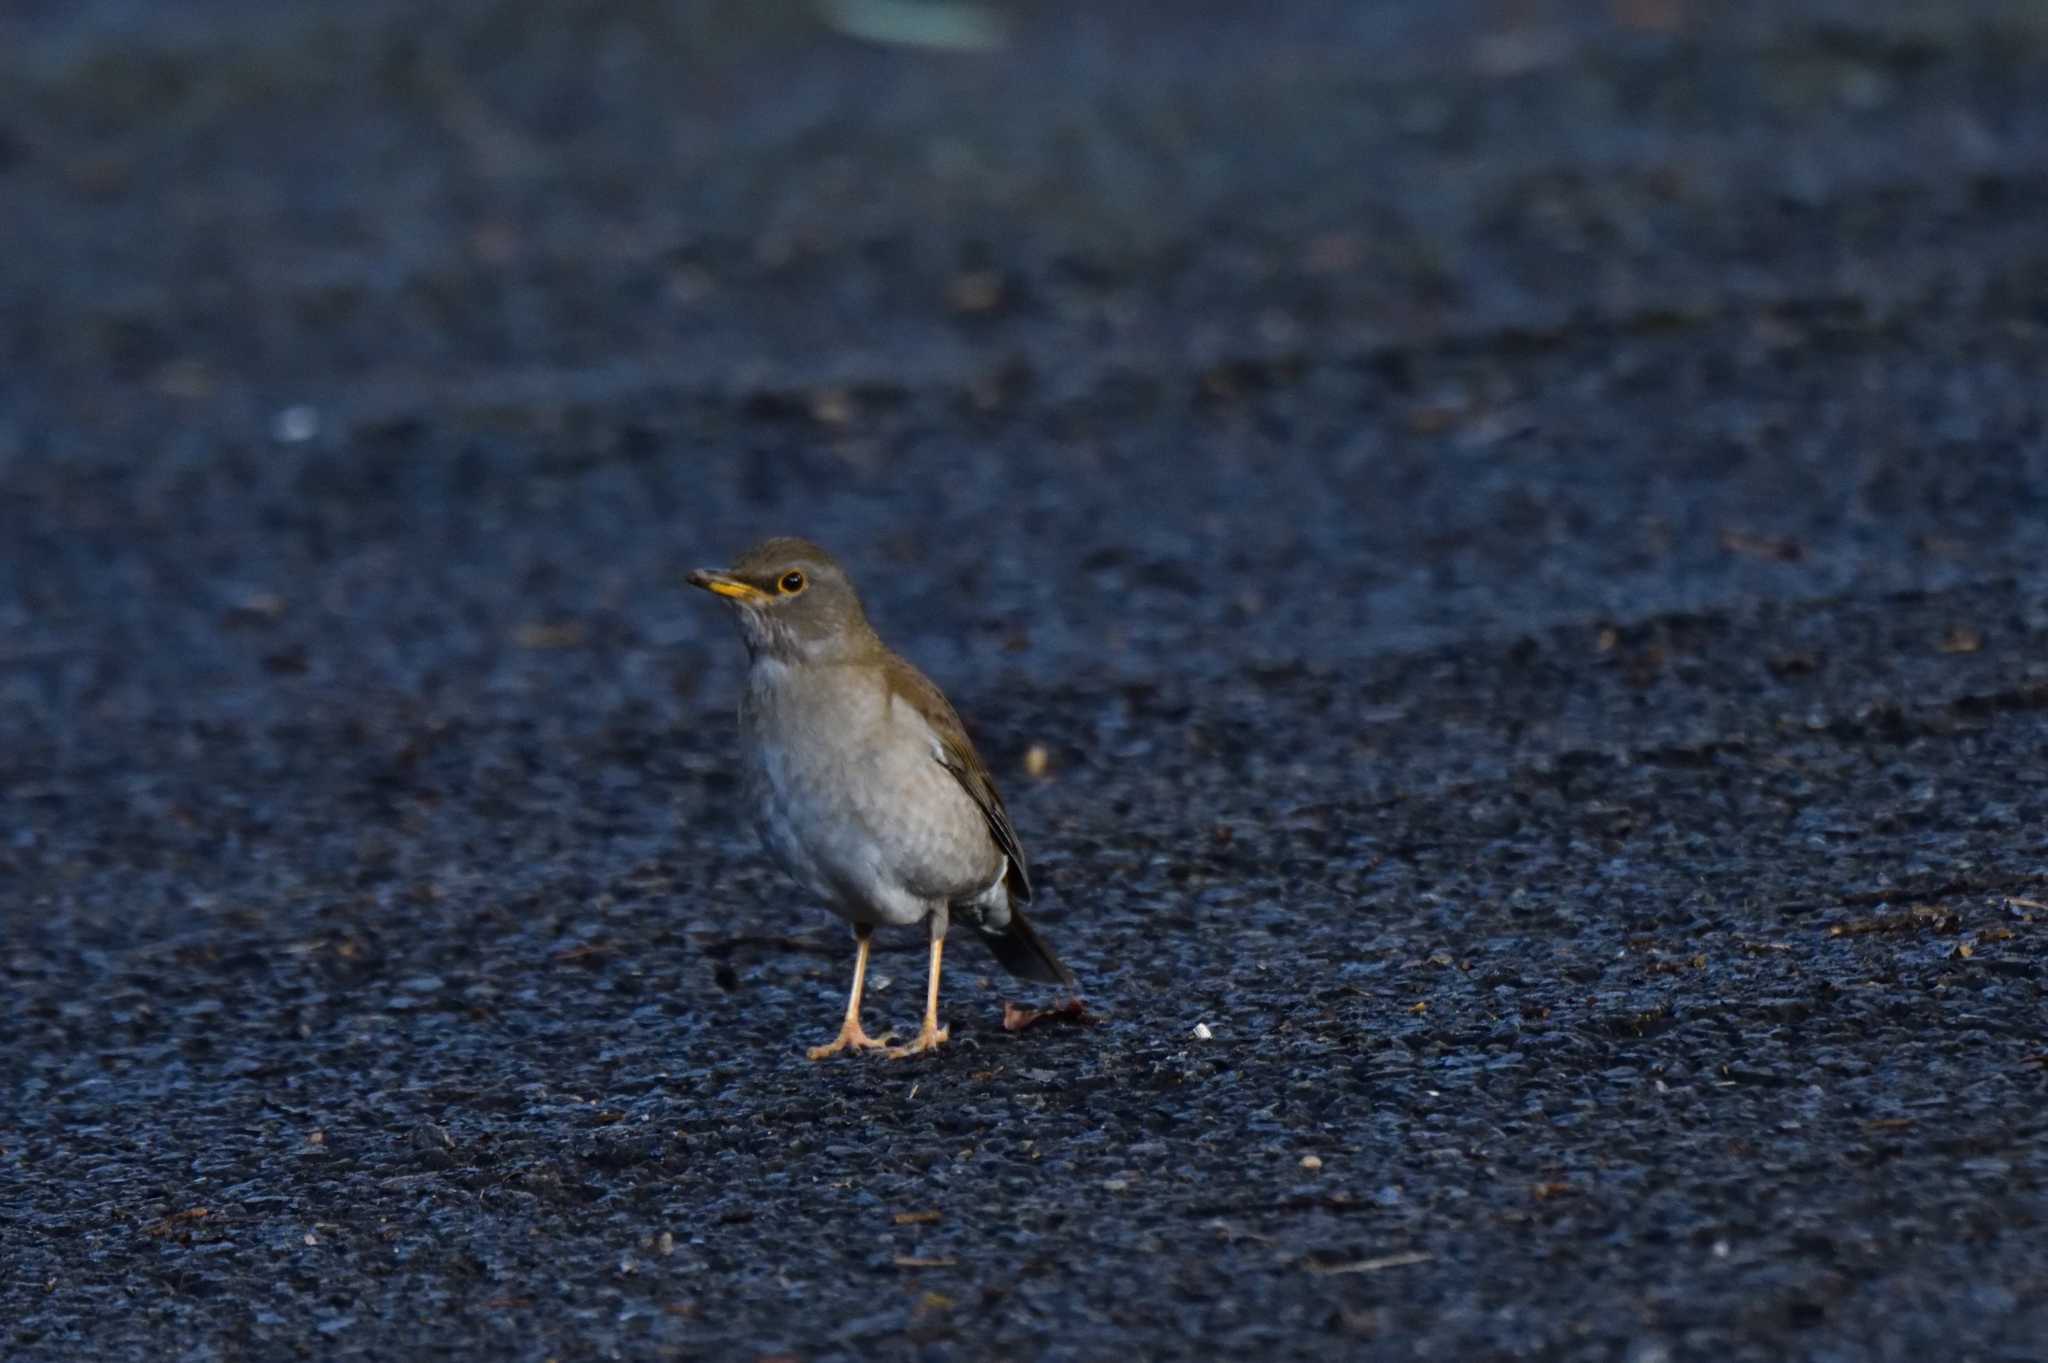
point(1520, 529)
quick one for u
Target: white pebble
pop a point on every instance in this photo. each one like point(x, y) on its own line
point(295, 425)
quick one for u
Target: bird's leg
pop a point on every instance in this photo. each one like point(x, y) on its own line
point(850, 1033)
point(929, 1037)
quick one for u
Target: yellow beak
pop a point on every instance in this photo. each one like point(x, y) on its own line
point(725, 584)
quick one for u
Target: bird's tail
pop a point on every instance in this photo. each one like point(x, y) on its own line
point(1025, 954)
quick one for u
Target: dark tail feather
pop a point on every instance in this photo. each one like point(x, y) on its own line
point(1024, 953)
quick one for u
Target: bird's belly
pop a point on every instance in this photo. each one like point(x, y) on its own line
point(883, 832)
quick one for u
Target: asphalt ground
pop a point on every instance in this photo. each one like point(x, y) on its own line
point(1516, 531)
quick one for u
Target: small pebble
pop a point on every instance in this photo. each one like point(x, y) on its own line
point(295, 425)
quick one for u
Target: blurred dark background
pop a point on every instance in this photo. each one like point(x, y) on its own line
point(1518, 528)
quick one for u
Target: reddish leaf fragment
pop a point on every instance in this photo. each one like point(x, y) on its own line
point(1017, 1016)
point(1768, 547)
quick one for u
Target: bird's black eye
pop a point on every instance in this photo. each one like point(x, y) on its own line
point(791, 583)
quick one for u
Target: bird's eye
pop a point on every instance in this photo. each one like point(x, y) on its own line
point(791, 583)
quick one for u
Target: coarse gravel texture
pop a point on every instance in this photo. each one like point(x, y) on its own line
point(1515, 531)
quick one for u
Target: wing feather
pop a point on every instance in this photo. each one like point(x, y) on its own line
point(957, 755)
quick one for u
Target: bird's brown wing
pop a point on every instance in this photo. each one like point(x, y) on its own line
point(957, 755)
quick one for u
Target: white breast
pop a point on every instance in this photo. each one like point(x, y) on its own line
point(853, 799)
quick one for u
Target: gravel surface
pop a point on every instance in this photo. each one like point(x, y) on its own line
point(1519, 530)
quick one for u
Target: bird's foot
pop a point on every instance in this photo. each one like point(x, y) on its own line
point(927, 1040)
point(850, 1038)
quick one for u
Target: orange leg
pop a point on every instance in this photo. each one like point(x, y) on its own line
point(851, 1037)
point(932, 1034)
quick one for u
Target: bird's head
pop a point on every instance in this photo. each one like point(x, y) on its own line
point(793, 601)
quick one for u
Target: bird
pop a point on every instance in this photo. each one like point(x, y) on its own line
point(863, 783)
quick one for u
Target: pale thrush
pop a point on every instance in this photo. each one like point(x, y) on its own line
point(863, 782)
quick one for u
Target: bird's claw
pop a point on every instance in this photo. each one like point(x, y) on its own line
point(850, 1038)
point(927, 1040)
